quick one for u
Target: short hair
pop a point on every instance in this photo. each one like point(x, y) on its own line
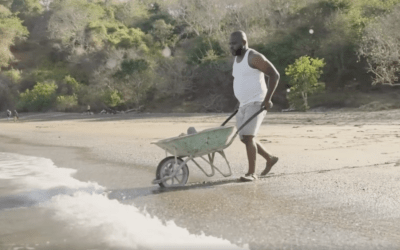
point(241, 34)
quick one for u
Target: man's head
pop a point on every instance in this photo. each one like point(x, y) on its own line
point(238, 42)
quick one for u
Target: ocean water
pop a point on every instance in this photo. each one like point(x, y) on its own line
point(84, 206)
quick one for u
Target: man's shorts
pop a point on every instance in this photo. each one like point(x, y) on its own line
point(244, 113)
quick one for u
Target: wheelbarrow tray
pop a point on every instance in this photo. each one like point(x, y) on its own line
point(198, 144)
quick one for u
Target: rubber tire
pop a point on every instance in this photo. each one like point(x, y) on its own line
point(164, 163)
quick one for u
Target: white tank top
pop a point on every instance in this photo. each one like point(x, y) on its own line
point(248, 84)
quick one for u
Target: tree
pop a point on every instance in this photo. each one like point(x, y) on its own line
point(84, 27)
point(11, 29)
point(175, 77)
point(6, 3)
point(27, 8)
point(69, 21)
point(163, 33)
point(202, 48)
point(381, 47)
point(131, 13)
point(125, 79)
point(345, 29)
point(7, 92)
point(200, 16)
point(304, 75)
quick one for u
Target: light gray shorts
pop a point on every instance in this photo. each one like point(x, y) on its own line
point(244, 113)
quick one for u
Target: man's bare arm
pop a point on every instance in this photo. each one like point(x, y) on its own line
point(258, 61)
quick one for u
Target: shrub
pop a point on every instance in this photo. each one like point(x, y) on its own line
point(14, 75)
point(41, 97)
point(204, 47)
point(69, 86)
point(129, 67)
point(66, 103)
point(49, 71)
point(112, 98)
point(117, 34)
point(163, 33)
point(210, 57)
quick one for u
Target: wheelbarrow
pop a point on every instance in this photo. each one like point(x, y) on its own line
point(173, 171)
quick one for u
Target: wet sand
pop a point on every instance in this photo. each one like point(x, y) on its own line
point(336, 185)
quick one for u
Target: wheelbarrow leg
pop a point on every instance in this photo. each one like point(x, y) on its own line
point(222, 153)
point(211, 158)
point(202, 169)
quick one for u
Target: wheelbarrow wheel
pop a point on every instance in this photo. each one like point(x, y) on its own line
point(166, 167)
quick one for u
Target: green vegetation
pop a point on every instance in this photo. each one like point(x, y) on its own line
point(170, 55)
point(40, 98)
point(14, 75)
point(112, 98)
point(66, 103)
point(304, 75)
point(11, 29)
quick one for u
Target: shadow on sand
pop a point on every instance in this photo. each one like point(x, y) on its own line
point(129, 194)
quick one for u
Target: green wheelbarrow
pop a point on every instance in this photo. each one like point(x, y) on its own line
point(173, 171)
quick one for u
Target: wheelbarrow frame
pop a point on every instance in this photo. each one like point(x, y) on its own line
point(201, 154)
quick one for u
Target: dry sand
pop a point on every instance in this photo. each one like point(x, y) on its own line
point(336, 185)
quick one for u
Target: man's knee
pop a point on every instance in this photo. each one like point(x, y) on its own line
point(247, 139)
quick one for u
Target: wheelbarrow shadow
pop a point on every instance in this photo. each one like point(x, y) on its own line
point(129, 194)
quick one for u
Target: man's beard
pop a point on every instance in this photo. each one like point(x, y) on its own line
point(239, 51)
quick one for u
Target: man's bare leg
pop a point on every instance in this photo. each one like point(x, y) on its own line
point(251, 148)
point(263, 152)
point(271, 159)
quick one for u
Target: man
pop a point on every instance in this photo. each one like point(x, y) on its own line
point(16, 116)
point(249, 70)
point(88, 110)
point(8, 114)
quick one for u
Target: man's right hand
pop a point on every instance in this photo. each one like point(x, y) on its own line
point(267, 105)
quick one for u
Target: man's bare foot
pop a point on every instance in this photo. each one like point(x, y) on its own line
point(269, 165)
point(249, 177)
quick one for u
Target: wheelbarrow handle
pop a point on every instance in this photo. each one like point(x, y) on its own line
point(246, 122)
point(230, 117)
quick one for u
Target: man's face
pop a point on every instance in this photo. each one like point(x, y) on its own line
point(236, 45)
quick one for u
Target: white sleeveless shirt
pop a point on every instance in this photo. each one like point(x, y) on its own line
point(248, 84)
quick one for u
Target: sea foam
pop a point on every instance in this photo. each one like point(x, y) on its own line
point(85, 207)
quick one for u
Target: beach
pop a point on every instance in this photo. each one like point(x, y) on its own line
point(336, 184)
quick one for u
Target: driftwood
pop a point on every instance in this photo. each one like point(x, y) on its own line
point(136, 110)
point(108, 110)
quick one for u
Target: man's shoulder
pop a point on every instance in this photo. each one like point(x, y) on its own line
point(253, 52)
point(254, 56)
